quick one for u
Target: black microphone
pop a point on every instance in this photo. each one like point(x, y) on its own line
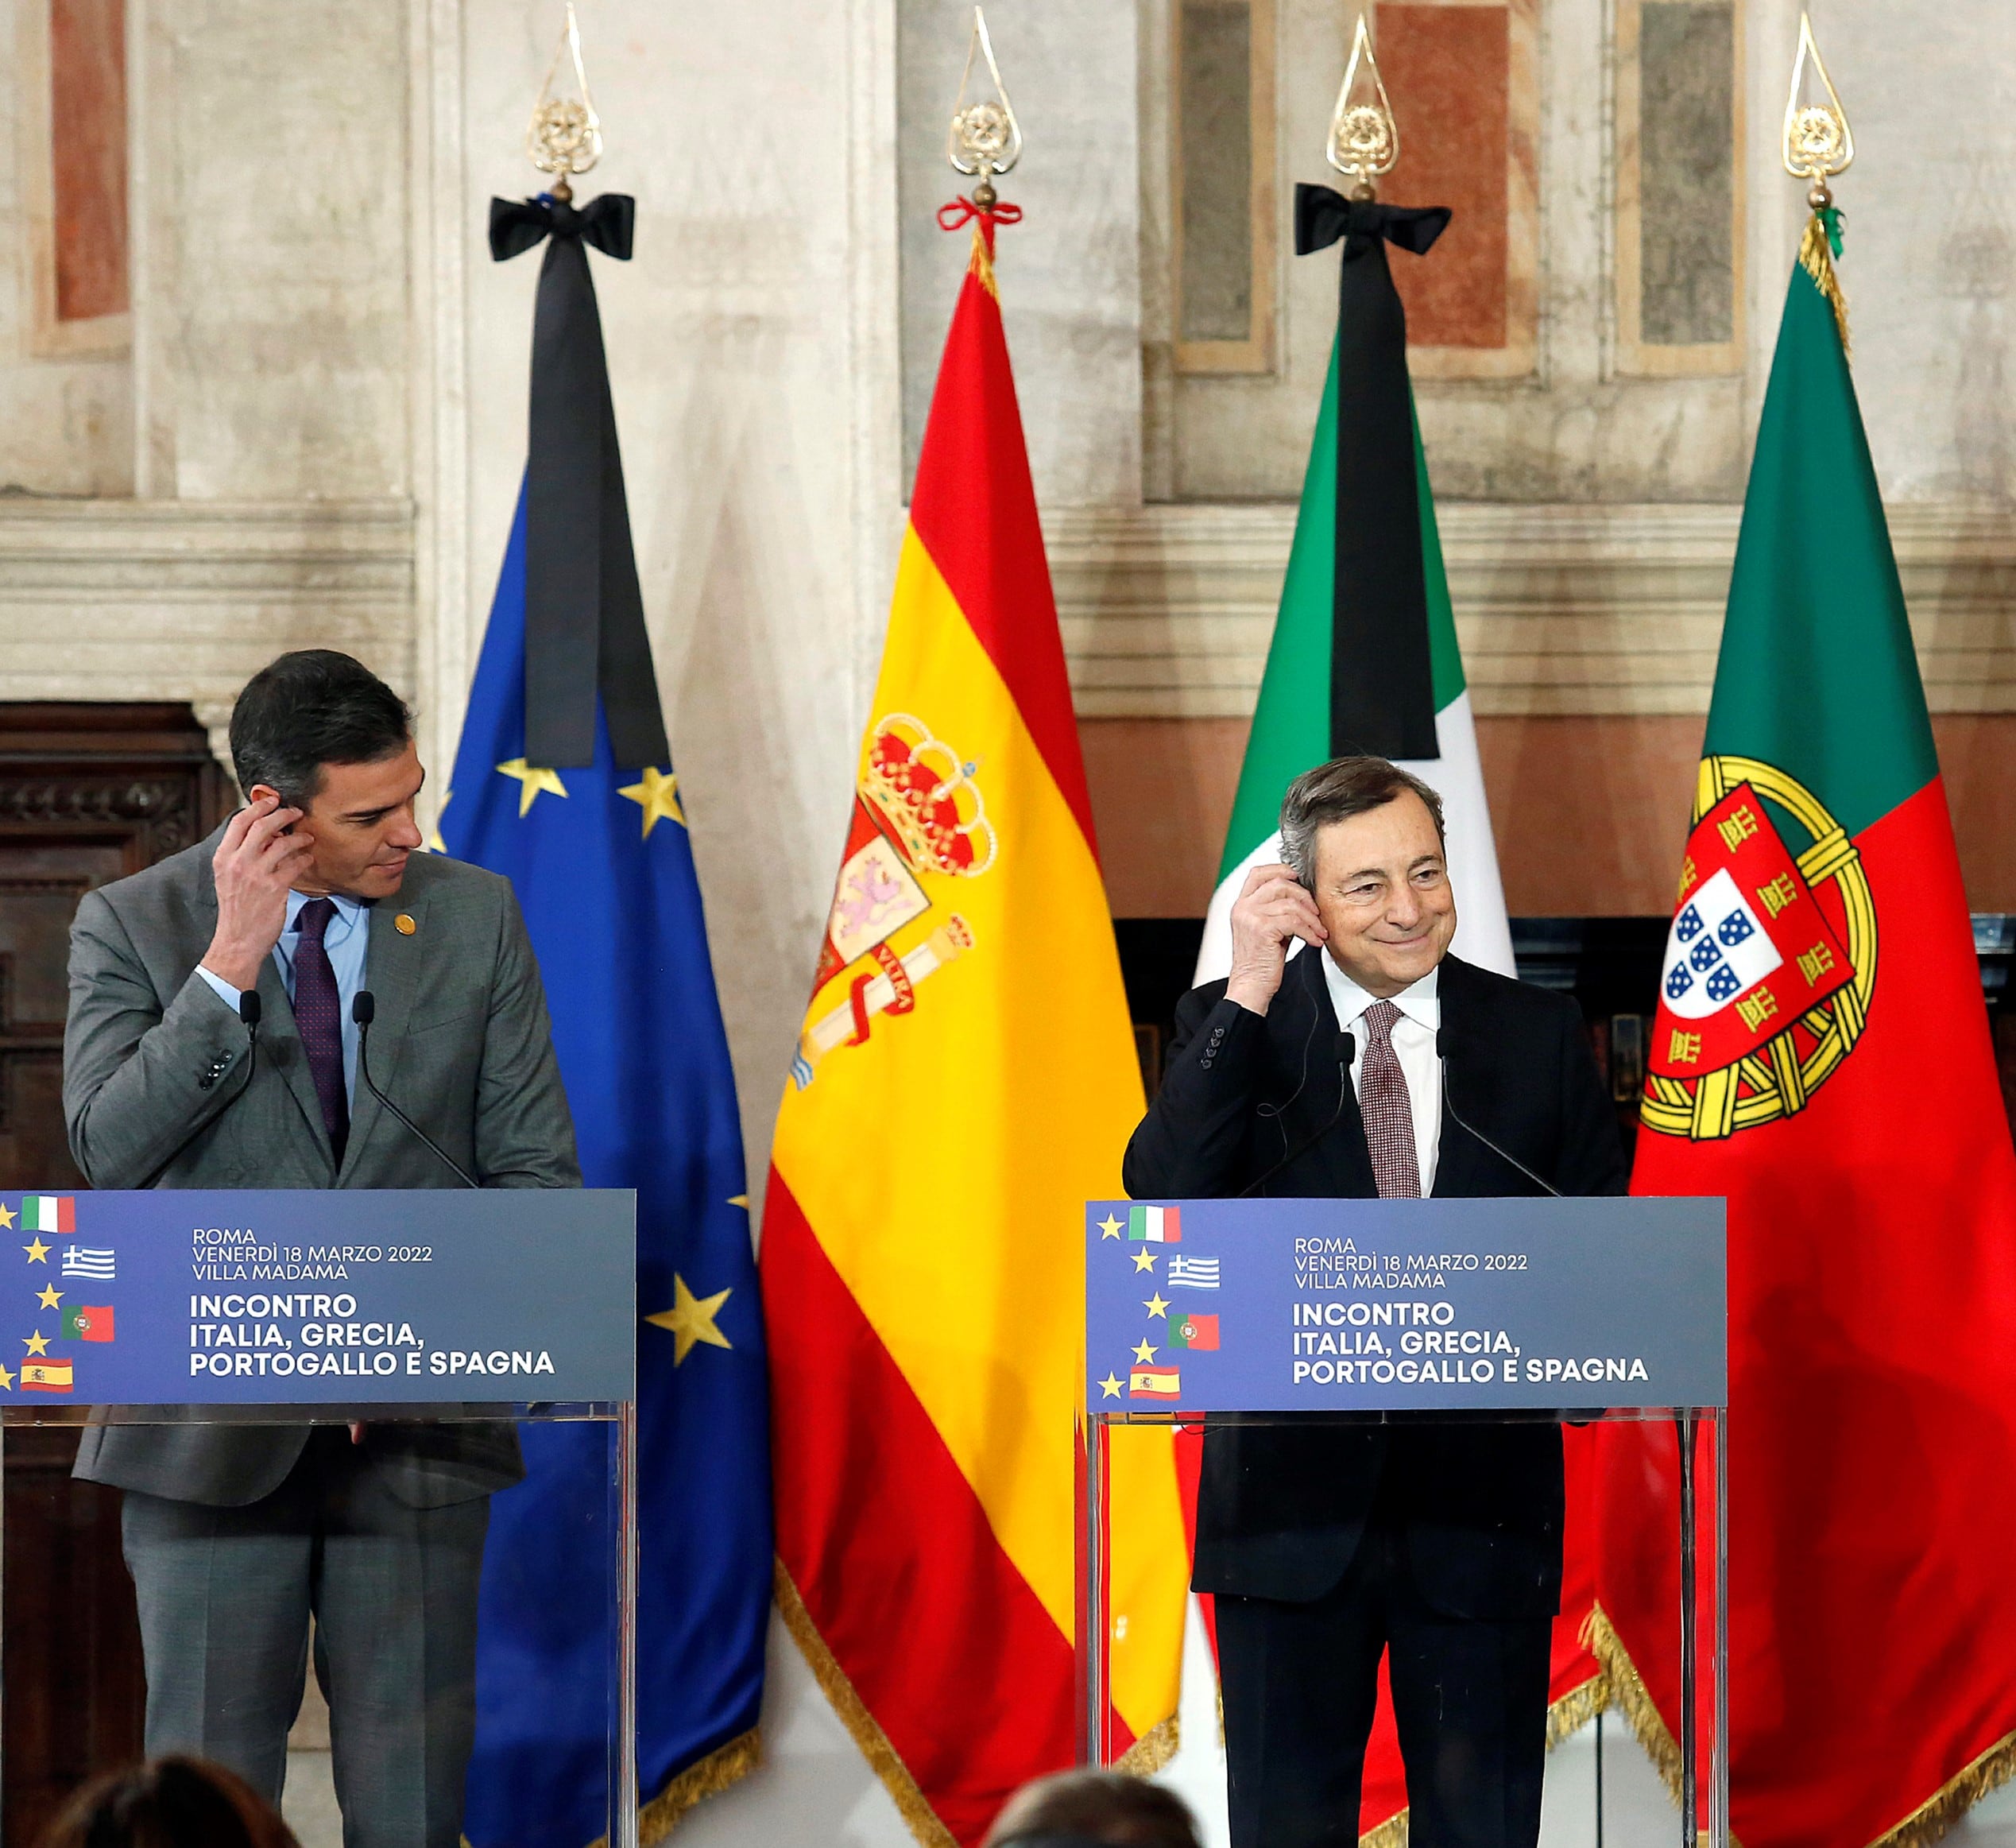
point(363, 1010)
point(1347, 1051)
point(249, 1013)
point(1457, 1117)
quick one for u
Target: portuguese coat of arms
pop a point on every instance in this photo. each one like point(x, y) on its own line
point(1770, 960)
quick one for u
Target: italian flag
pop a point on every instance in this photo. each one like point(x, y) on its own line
point(1364, 657)
point(49, 1213)
point(1839, 1088)
point(1292, 721)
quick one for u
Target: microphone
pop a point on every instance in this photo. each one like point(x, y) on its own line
point(1347, 1051)
point(1461, 1122)
point(248, 1007)
point(363, 1010)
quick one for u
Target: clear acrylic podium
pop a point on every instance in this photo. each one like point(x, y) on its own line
point(418, 1347)
point(1254, 1313)
point(70, 1669)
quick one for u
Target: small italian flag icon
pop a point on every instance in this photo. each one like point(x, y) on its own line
point(49, 1213)
point(1157, 1225)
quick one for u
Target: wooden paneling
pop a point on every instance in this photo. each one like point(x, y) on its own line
point(87, 793)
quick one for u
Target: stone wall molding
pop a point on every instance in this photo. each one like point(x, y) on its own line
point(1562, 610)
point(163, 600)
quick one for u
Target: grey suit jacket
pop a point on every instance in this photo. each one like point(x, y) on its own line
point(155, 1093)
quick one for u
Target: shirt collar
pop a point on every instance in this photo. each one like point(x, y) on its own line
point(1419, 1003)
point(348, 910)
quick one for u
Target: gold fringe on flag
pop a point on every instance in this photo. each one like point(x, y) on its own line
point(1565, 1717)
point(1392, 1833)
point(867, 1734)
point(1939, 1812)
point(1816, 258)
point(1627, 1692)
point(708, 1776)
point(1154, 1748)
point(1575, 1708)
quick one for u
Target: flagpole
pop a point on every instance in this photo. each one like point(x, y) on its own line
point(562, 138)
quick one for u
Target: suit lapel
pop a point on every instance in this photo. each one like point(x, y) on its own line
point(279, 1040)
point(392, 971)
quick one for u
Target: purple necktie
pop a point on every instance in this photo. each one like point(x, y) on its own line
point(1388, 1111)
point(318, 1015)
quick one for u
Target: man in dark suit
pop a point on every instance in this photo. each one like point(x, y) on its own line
point(1436, 1541)
point(236, 1535)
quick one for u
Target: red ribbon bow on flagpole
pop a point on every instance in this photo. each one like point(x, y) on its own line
point(956, 214)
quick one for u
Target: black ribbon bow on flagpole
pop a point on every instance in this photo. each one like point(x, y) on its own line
point(584, 611)
point(1382, 684)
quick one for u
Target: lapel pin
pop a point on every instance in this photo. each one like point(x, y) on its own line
point(404, 924)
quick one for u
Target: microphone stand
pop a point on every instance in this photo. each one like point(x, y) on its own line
point(1350, 1052)
point(1457, 1117)
point(363, 1010)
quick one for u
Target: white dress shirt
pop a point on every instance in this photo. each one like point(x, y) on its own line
point(1413, 1044)
point(345, 938)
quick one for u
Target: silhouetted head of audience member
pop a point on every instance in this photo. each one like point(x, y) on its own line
point(1093, 1809)
point(168, 1803)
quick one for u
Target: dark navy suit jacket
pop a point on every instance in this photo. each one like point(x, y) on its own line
point(1283, 1508)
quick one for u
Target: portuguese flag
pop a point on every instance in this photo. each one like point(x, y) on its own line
point(966, 1081)
point(1822, 1057)
point(1364, 654)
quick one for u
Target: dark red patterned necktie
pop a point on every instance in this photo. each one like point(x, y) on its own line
point(319, 1016)
point(1388, 1111)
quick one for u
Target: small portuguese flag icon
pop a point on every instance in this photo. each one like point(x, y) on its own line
point(1821, 1059)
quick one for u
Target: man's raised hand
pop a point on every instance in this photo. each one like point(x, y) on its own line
point(255, 866)
point(1273, 906)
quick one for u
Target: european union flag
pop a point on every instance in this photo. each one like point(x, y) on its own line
point(599, 856)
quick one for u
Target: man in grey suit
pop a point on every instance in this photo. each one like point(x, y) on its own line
point(236, 1535)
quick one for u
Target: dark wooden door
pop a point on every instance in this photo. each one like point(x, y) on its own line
point(87, 794)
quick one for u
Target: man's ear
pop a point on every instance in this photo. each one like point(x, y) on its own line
point(260, 791)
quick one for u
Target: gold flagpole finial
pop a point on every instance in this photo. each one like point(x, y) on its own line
point(564, 135)
point(1818, 142)
point(985, 138)
point(1364, 138)
point(1818, 145)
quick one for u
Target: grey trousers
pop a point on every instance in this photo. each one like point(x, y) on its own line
point(225, 1597)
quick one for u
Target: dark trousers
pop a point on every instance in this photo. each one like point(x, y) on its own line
point(1300, 1682)
point(225, 1597)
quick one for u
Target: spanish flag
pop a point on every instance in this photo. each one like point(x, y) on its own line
point(964, 1082)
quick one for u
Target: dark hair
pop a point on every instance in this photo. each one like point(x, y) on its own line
point(168, 1803)
point(309, 708)
point(1098, 1809)
point(1336, 790)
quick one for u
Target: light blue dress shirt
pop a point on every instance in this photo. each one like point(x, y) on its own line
point(347, 940)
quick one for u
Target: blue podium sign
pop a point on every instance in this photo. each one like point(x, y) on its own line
point(501, 1295)
point(1300, 1305)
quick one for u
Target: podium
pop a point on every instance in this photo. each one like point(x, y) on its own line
point(1231, 1315)
point(218, 1336)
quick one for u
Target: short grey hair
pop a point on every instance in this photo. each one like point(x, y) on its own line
point(1337, 791)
